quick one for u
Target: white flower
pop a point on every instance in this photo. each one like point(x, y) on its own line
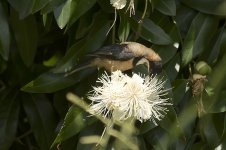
point(124, 97)
point(118, 4)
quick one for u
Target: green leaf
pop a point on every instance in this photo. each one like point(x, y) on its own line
point(219, 45)
point(23, 7)
point(51, 82)
point(149, 31)
point(71, 10)
point(79, 7)
point(168, 24)
point(215, 45)
point(124, 28)
point(179, 90)
point(71, 57)
point(223, 139)
point(62, 13)
point(216, 7)
point(68, 144)
point(84, 25)
point(209, 127)
point(214, 86)
point(92, 41)
point(39, 4)
point(202, 29)
point(106, 6)
point(74, 122)
point(94, 129)
point(167, 7)
point(219, 105)
point(27, 44)
point(9, 112)
point(141, 69)
point(4, 34)
point(171, 124)
point(166, 52)
point(184, 18)
point(141, 142)
point(146, 126)
point(155, 138)
point(41, 117)
point(52, 5)
point(60, 103)
point(3, 65)
point(173, 67)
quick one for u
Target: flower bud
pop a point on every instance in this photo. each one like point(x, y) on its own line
point(203, 68)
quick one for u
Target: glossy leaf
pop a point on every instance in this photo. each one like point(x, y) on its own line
point(214, 98)
point(155, 138)
point(23, 7)
point(62, 13)
point(167, 7)
point(4, 34)
point(79, 7)
point(216, 7)
point(71, 10)
point(106, 6)
point(27, 44)
point(218, 46)
point(184, 18)
point(44, 40)
point(146, 126)
point(149, 31)
point(166, 52)
point(84, 25)
point(39, 4)
point(202, 29)
point(93, 41)
point(52, 5)
point(223, 138)
point(9, 113)
point(209, 129)
point(51, 82)
point(60, 103)
point(93, 129)
point(141, 69)
point(124, 28)
point(171, 124)
point(215, 45)
point(168, 24)
point(74, 122)
point(179, 90)
point(173, 67)
point(41, 117)
point(219, 105)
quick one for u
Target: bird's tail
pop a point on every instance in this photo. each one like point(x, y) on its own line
point(79, 67)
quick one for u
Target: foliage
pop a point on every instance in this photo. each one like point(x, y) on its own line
point(41, 39)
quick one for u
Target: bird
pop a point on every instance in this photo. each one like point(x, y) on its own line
point(121, 56)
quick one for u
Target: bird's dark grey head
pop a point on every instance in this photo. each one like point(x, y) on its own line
point(155, 67)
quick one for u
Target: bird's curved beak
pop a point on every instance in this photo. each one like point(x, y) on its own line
point(155, 67)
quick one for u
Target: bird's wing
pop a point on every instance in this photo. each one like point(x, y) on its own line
point(114, 51)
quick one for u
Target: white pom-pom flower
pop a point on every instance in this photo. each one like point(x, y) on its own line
point(118, 4)
point(125, 97)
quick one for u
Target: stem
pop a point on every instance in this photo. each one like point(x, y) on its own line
point(140, 22)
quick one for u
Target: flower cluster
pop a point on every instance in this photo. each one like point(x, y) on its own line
point(124, 97)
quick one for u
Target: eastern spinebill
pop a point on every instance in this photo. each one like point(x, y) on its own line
point(123, 56)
